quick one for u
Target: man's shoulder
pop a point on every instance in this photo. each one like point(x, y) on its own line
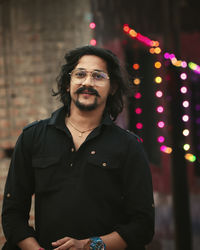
point(126, 133)
point(36, 124)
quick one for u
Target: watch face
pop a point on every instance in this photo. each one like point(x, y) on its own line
point(96, 244)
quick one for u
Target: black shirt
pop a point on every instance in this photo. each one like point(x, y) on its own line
point(102, 187)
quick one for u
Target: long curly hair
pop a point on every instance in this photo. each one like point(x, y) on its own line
point(115, 102)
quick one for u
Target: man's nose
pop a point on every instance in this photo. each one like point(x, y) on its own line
point(88, 80)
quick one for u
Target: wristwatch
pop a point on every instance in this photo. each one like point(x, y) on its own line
point(96, 243)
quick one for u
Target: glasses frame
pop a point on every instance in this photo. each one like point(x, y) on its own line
point(95, 81)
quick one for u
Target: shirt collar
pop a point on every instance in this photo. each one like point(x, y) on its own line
point(58, 118)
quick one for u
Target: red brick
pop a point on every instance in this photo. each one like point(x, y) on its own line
point(3, 113)
point(4, 123)
point(19, 101)
point(4, 133)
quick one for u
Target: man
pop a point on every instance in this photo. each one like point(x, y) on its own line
point(91, 179)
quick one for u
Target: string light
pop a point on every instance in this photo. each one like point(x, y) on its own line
point(160, 109)
point(136, 66)
point(185, 104)
point(138, 111)
point(186, 147)
point(93, 42)
point(155, 49)
point(139, 125)
point(92, 25)
point(159, 93)
point(161, 124)
point(161, 139)
point(165, 149)
point(158, 79)
point(183, 76)
point(136, 81)
point(190, 157)
point(185, 118)
point(183, 90)
point(186, 132)
point(138, 95)
point(157, 65)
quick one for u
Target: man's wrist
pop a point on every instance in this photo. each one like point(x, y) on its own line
point(96, 243)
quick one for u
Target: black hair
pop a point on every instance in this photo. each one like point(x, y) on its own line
point(115, 102)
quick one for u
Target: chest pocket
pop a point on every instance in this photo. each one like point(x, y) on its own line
point(47, 173)
point(104, 161)
point(105, 170)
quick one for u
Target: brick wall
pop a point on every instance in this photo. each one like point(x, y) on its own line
point(34, 36)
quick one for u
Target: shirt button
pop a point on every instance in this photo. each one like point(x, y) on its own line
point(8, 195)
point(104, 164)
point(71, 164)
point(72, 149)
point(93, 152)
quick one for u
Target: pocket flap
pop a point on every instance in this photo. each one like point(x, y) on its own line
point(104, 161)
point(44, 162)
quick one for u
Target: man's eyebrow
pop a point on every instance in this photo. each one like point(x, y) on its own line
point(99, 70)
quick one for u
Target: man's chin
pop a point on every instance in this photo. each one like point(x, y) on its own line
point(86, 107)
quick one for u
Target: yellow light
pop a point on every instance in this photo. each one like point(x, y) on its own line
point(132, 33)
point(174, 60)
point(179, 63)
point(157, 50)
point(157, 65)
point(158, 79)
point(186, 147)
point(190, 157)
point(186, 132)
point(136, 81)
point(168, 150)
point(156, 43)
point(151, 50)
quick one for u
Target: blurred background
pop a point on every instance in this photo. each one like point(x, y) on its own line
point(158, 42)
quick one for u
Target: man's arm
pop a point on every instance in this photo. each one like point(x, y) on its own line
point(113, 241)
point(29, 243)
point(18, 195)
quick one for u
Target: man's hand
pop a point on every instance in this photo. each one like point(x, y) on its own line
point(71, 244)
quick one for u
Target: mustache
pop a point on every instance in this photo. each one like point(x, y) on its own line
point(89, 89)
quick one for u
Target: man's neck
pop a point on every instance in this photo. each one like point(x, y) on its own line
point(85, 119)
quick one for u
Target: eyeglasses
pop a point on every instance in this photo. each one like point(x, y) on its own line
point(99, 78)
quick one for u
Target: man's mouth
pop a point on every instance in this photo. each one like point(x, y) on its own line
point(87, 91)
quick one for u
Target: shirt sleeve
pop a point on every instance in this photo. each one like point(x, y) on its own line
point(18, 195)
point(138, 203)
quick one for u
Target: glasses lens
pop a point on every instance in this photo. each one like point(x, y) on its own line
point(99, 76)
point(79, 74)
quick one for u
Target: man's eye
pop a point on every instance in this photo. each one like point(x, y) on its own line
point(98, 76)
point(80, 74)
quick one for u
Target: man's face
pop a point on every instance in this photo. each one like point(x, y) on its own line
point(90, 84)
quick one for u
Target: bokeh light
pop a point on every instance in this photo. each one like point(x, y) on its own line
point(158, 79)
point(160, 109)
point(161, 124)
point(183, 76)
point(186, 104)
point(183, 90)
point(138, 95)
point(185, 118)
point(93, 42)
point(159, 93)
point(186, 132)
point(138, 111)
point(92, 25)
point(139, 125)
